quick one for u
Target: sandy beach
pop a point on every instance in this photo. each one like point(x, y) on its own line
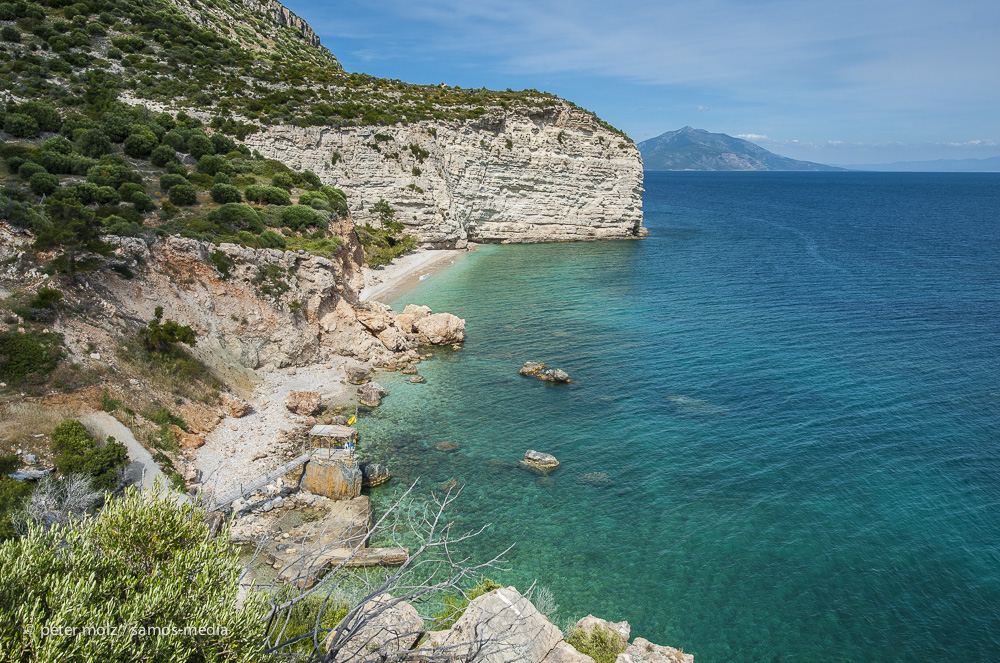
point(403, 272)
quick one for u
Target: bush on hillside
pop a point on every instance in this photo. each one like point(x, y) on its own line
point(145, 563)
point(162, 155)
point(225, 193)
point(183, 194)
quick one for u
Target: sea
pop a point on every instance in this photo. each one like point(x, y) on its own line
point(782, 441)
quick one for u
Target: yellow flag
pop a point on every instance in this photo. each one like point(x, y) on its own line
point(350, 422)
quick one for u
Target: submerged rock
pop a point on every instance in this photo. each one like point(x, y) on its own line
point(536, 460)
point(417, 379)
point(596, 479)
point(447, 446)
point(371, 394)
point(542, 372)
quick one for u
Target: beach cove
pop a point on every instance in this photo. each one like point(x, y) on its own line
point(778, 443)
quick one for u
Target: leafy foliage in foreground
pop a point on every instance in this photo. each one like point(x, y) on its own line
point(145, 563)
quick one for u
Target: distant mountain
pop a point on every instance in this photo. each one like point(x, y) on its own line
point(697, 149)
point(988, 165)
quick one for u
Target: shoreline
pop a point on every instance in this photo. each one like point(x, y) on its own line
point(405, 272)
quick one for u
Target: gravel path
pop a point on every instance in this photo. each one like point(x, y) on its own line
point(240, 450)
point(104, 424)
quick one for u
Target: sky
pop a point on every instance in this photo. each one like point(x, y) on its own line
point(839, 82)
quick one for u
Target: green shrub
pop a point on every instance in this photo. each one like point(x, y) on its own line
point(141, 202)
point(29, 168)
point(198, 145)
point(112, 172)
point(234, 216)
point(222, 262)
point(300, 217)
point(311, 179)
point(58, 144)
point(183, 194)
point(145, 563)
point(45, 115)
point(12, 495)
point(126, 190)
point(93, 143)
point(71, 442)
point(140, 144)
point(601, 644)
point(170, 180)
point(159, 336)
point(267, 194)
point(10, 34)
point(56, 163)
point(211, 164)
point(177, 139)
point(42, 305)
point(162, 155)
point(284, 181)
point(225, 193)
point(222, 143)
point(43, 184)
point(272, 240)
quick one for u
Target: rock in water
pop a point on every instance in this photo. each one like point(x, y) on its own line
point(371, 394)
point(417, 379)
point(440, 329)
point(358, 374)
point(373, 474)
point(542, 372)
point(535, 460)
point(303, 402)
point(447, 446)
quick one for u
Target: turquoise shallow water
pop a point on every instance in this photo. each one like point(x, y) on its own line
point(793, 389)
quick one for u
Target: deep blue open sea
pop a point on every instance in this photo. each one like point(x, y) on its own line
point(793, 389)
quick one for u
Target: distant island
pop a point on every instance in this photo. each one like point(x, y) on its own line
point(697, 149)
point(987, 165)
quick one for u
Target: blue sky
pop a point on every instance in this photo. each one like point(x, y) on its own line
point(841, 81)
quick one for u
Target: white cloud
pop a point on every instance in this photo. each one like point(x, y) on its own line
point(753, 137)
point(702, 108)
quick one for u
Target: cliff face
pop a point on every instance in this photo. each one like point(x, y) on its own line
point(536, 176)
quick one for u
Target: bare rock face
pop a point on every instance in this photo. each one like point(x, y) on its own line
point(535, 460)
point(543, 175)
point(390, 626)
point(373, 474)
point(416, 311)
point(306, 403)
point(566, 653)
point(440, 329)
point(395, 339)
point(374, 315)
point(358, 374)
point(644, 651)
point(187, 441)
point(501, 627)
point(371, 394)
point(542, 372)
point(236, 406)
point(589, 623)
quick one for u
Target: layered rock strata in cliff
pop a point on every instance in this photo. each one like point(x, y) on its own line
point(534, 176)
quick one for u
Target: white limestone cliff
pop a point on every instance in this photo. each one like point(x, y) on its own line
point(524, 176)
